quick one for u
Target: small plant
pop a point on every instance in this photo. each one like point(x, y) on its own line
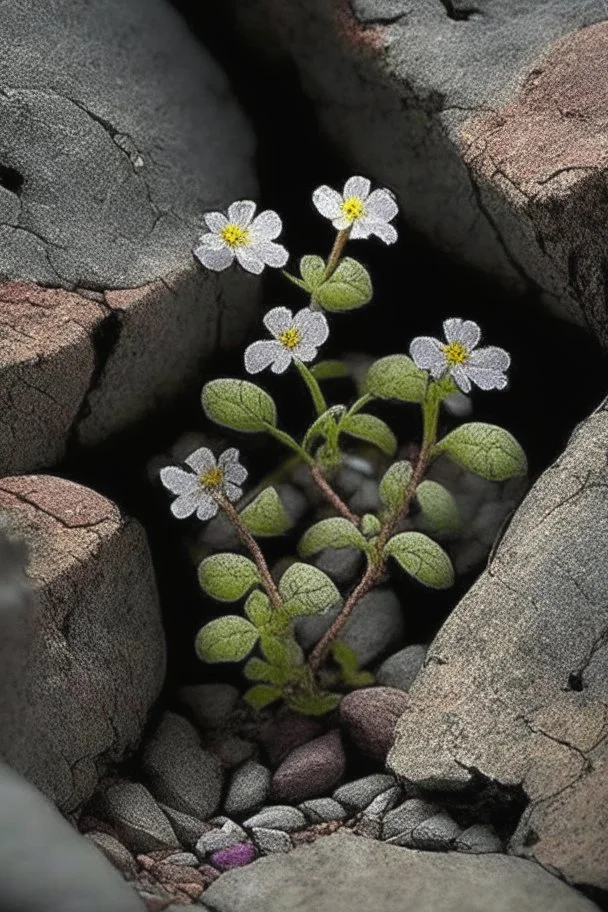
point(434, 369)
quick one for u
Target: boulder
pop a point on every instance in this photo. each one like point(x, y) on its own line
point(514, 691)
point(488, 120)
point(118, 132)
point(343, 872)
point(91, 644)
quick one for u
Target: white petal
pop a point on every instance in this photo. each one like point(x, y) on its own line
point(328, 202)
point(232, 492)
point(217, 260)
point(177, 481)
point(358, 187)
point(427, 353)
point(465, 331)
point(382, 205)
point(215, 221)
point(201, 460)
point(207, 508)
point(491, 357)
point(282, 361)
point(486, 378)
point(260, 355)
point(214, 241)
point(278, 320)
point(460, 376)
point(383, 230)
point(185, 505)
point(341, 223)
point(274, 255)
point(228, 457)
point(313, 325)
point(361, 229)
point(236, 473)
point(306, 352)
point(267, 225)
point(241, 213)
point(249, 260)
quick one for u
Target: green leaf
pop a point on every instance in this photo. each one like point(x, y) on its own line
point(396, 377)
point(350, 672)
point(227, 577)
point(485, 450)
point(307, 590)
point(394, 484)
point(370, 525)
point(239, 405)
point(330, 370)
point(262, 695)
point(258, 670)
point(325, 426)
point(227, 639)
point(331, 533)
point(266, 515)
point(312, 270)
point(348, 288)
point(281, 651)
point(422, 558)
point(313, 704)
point(372, 430)
point(258, 609)
point(438, 507)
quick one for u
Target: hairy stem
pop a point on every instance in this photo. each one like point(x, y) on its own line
point(314, 389)
point(336, 252)
point(330, 495)
point(290, 443)
point(254, 549)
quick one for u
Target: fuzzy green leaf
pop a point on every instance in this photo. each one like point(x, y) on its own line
point(485, 450)
point(258, 670)
point(348, 664)
point(330, 370)
point(313, 705)
point(262, 695)
point(422, 558)
point(394, 484)
point(396, 377)
point(307, 590)
point(325, 426)
point(370, 525)
point(348, 288)
point(266, 516)
point(281, 651)
point(227, 639)
point(227, 577)
point(258, 609)
point(331, 533)
point(438, 507)
point(372, 430)
point(312, 270)
point(239, 405)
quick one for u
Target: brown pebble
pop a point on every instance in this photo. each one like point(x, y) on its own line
point(310, 771)
point(194, 891)
point(369, 717)
point(287, 731)
point(177, 874)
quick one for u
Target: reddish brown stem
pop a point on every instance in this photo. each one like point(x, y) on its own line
point(331, 496)
point(336, 252)
point(254, 549)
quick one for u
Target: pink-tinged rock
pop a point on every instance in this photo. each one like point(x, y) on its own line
point(235, 857)
point(369, 717)
point(286, 731)
point(310, 771)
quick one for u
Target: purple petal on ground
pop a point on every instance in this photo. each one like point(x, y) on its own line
point(235, 857)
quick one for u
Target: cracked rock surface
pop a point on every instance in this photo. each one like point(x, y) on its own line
point(487, 119)
point(514, 692)
point(91, 645)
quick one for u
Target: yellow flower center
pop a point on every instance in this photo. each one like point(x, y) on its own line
point(290, 338)
point(353, 208)
point(456, 353)
point(235, 236)
point(212, 478)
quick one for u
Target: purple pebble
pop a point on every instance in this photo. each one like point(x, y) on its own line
point(235, 857)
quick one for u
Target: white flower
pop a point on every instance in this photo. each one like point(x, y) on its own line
point(294, 337)
point(241, 235)
point(460, 357)
point(197, 490)
point(363, 212)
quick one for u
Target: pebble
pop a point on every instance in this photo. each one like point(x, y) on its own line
point(186, 859)
point(279, 817)
point(180, 772)
point(358, 794)
point(286, 731)
point(321, 810)
point(248, 789)
point(187, 829)
point(272, 841)
point(115, 852)
point(479, 839)
point(383, 802)
point(405, 818)
point(310, 771)
point(236, 856)
point(137, 818)
point(437, 833)
point(293, 500)
point(230, 750)
point(400, 669)
point(342, 565)
point(218, 535)
point(224, 837)
point(210, 704)
point(366, 498)
point(369, 717)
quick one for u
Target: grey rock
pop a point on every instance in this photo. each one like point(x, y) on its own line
point(230, 750)
point(227, 835)
point(375, 626)
point(383, 802)
point(137, 818)
point(115, 852)
point(479, 839)
point(83, 656)
point(287, 730)
point(310, 771)
point(437, 833)
point(320, 810)
point(278, 817)
point(486, 140)
point(272, 842)
point(369, 717)
point(405, 818)
point(183, 859)
point(210, 704)
point(248, 789)
point(341, 564)
point(400, 669)
point(293, 500)
point(46, 865)
point(340, 873)
point(187, 829)
point(358, 794)
point(543, 651)
point(366, 498)
point(219, 535)
point(180, 772)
